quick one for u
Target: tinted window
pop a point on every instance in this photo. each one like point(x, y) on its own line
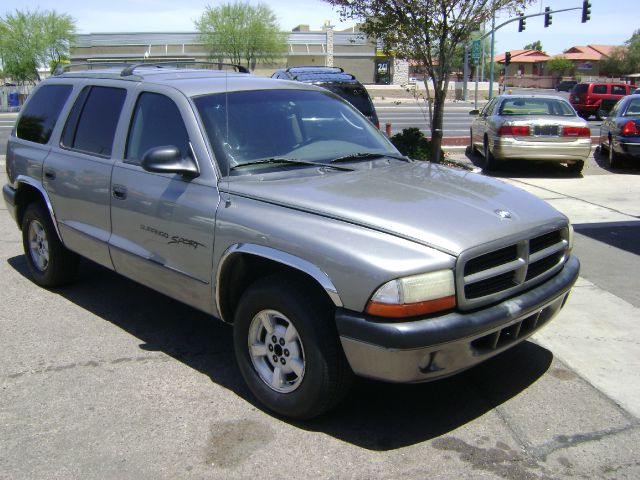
point(92, 123)
point(41, 113)
point(618, 90)
point(156, 123)
point(580, 88)
point(633, 108)
point(599, 89)
point(355, 95)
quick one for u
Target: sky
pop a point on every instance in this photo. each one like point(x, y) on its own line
point(608, 26)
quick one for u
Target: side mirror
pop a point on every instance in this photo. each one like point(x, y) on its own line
point(474, 112)
point(168, 159)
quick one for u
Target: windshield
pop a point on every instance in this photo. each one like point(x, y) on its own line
point(304, 125)
point(536, 106)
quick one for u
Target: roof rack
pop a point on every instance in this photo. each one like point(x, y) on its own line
point(317, 68)
point(61, 68)
point(130, 67)
point(127, 71)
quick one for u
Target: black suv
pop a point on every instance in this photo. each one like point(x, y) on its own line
point(337, 81)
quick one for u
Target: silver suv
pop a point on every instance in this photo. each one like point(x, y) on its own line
point(277, 207)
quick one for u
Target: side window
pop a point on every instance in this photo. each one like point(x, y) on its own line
point(91, 126)
point(488, 108)
point(599, 89)
point(42, 112)
point(156, 123)
point(618, 90)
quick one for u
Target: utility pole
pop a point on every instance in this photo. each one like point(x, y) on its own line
point(493, 38)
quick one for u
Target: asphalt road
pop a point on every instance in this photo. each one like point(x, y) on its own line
point(108, 379)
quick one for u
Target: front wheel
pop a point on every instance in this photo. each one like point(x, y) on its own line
point(288, 350)
point(49, 262)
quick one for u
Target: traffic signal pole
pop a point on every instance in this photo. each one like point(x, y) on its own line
point(492, 33)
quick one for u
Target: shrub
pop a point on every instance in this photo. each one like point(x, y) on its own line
point(412, 143)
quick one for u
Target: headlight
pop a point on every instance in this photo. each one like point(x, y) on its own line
point(415, 295)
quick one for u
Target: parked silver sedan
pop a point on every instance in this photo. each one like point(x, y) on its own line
point(530, 127)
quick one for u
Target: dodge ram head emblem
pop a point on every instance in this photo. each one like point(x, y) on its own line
point(503, 213)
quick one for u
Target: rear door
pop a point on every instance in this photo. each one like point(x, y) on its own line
point(163, 223)
point(77, 172)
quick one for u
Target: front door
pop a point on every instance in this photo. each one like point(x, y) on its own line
point(163, 224)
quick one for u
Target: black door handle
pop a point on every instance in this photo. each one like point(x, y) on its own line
point(119, 192)
point(49, 174)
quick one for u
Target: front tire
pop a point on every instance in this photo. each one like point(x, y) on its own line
point(49, 262)
point(288, 350)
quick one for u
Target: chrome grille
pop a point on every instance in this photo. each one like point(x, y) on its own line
point(496, 272)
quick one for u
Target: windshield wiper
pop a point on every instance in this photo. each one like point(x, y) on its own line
point(366, 156)
point(289, 161)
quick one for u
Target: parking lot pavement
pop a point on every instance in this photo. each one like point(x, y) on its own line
point(108, 379)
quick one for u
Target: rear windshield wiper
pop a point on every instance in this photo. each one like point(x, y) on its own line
point(288, 161)
point(367, 156)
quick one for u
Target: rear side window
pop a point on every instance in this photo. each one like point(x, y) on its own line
point(599, 89)
point(156, 123)
point(42, 112)
point(618, 90)
point(92, 123)
point(580, 88)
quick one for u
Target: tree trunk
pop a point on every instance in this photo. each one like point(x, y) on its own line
point(440, 92)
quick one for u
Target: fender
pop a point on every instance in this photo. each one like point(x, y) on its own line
point(38, 186)
point(281, 257)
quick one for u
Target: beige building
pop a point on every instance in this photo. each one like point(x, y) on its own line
point(349, 49)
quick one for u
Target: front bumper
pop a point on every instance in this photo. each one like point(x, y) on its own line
point(513, 148)
point(10, 195)
point(423, 350)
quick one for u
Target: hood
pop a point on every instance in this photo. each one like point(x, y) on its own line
point(447, 209)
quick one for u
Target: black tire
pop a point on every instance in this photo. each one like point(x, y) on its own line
point(612, 157)
point(473, 149)
point(490, 162)
point(326, 375)
point(576, 167)
point(49, 262)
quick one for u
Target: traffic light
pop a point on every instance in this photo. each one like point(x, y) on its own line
point(548, 19)
point(507, 58)
point(523, 23)
point(586, 11)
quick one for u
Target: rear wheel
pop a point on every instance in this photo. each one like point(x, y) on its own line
point(288, 349)
point(613, 160)
point(48, 261)
point(490, 162)
point(576, 167)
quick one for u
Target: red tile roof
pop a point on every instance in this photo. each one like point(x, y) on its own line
point(588, 52)
point(523, 56)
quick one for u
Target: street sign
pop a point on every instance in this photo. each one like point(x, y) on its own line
point(475, 51)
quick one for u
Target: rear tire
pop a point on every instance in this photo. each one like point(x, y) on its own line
point(49, 262)
point(576, 167)
point(613, 161)
point(490, 162)
point(288, 349)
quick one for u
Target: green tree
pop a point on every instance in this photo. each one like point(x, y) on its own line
point(428, 31)
point(624, 59)
point(559, 65)
point(537, 45)
point(242, 33)
point(31, 40)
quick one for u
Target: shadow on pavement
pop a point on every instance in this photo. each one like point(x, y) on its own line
point(622, 235)
point(375, 415)
point(523, 168)
point(627, 166)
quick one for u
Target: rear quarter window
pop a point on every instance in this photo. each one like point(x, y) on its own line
point(41, 113)
point(580, 88)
